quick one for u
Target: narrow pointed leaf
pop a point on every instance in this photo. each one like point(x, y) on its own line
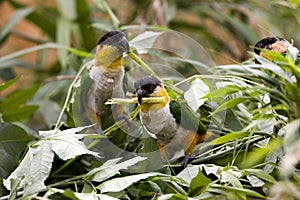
point(15, 18)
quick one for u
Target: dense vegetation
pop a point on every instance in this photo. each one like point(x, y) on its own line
point(201, 51)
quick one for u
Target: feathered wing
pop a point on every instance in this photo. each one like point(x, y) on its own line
point(186, 117)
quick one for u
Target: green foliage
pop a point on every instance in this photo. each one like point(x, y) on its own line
point(253, 109)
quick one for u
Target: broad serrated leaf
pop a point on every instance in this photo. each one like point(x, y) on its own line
point(15, 18)
point(34, 169)
point(13, 140)
point(112, 167)
point(80, 196)
point(194, 94)
point(40, 167)
point(18, 98)
point(5, 85)
point(19, 174)
point(254, 181)
point(18, 113)
point(66, 144)
point(144, 41)
point(119, 184)
point(198, 184)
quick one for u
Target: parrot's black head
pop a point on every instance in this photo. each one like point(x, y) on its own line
point(116, 39)
point(273, 43)
point(145, 86)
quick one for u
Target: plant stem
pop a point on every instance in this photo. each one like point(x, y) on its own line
point(66, 103)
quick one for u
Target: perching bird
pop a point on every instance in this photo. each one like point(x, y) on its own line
point(273, 43)
point(173, 123)
point(105, 79)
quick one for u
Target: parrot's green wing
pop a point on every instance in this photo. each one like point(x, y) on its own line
point(80, 104)
point(186, 117)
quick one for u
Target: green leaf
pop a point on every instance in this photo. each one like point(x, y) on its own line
point(198, 184)
point(112, 167)
point(247, 192)
point(55, 193)
point(234, 181)
point(13, 140)
point(194, 94)
point(44, 18)
point(230, 103)
point(119, 184)
point(33, 170)
point(228, 137)
point(67, 8)
point(144, 41)
point(69, 194)
point(67, 144)
point(291, 136)
point(221, 92)
point(5, 85)
point(105, 26)
point(18, 98)
point(18, 113)
point(15, 18)
point(258, 154)
point(63, 36)
point(103, 5)
point(254, 181)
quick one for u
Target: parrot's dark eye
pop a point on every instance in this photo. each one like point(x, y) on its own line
point(149, 88)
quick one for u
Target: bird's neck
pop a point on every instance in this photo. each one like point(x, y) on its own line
point(108, 58)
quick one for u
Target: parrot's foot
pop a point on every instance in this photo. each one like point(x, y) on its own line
point(125, 118)
point(99, 130)
point(187, 160)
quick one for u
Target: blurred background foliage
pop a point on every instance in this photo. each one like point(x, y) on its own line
point(35, 37)
point(226, 29)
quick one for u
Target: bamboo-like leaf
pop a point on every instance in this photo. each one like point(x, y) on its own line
point(231, 103)
point(144, 41)
point(5, 85)
point(15, 18)
point(63, 36)
point(103, 5)
point(258, 154)
point(17, 98)
point(291, 136)
point(68, 8)
point(228, 137)
point(18, 113)
point(261, 174)
point(247, 192)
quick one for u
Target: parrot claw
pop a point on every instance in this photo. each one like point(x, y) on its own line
point(125, 118)
point(187, 160)
point(99, 130)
